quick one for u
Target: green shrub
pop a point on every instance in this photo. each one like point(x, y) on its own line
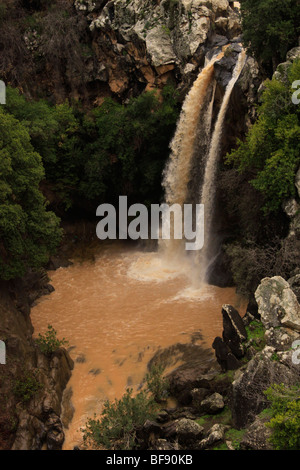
point(156, 384)
point(27, 386)
point(285, 412)
point(271, 150)
point(116, 428)
point(49, 343)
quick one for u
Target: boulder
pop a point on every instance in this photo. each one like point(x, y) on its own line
point(215, 435)
point(277, 304)
point(264, 369)
point(224, 355)
point(185, 431)
point(257, 436)
point(234, 331)
point(213, 404)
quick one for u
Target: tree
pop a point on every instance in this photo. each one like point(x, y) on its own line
point(270, 29)
point(271, 150)
point(28, 232)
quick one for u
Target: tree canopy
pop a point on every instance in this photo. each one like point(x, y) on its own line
point(270, 29)
point(28, 232)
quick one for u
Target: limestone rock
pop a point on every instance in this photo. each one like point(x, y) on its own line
point(215, 435)
point(291, 207)
point(213, 404)
point(293, 54)
point(184, 430)
point(277, 303)
point(257, 436)
point(263, 370)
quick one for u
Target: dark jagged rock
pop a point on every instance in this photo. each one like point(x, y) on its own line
point(32, 425)
point(234, 332)
point(224, 356)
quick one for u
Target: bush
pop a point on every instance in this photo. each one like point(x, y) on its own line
point(27, 386)
point(49, 343)
point(285, 412)
point(116, 429)
point(157, 385)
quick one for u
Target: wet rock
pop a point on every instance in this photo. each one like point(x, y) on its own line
point(95, 372)
point(68, 409)
point(80, 359)
point(213, 404)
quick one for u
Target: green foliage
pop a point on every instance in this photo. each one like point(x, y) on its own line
point(157, 385)
point(270, 29)
point(285, 412)
point(27, 386)
point(130, 146)
point(49, 343)
point(28, 232)
point(271, 151)
point(256, 333)
point(116, 149)
point(116, 428)
point(55, 135)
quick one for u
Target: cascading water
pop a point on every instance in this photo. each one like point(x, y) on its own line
point(177, 173)
point(197, 108)
point(207, 197)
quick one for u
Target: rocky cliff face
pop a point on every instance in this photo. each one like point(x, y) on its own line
point(153, 41)
point(31, 384)
point(88, 49)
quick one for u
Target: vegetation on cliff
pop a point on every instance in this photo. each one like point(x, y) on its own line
point(270, 29)
point(28, 231)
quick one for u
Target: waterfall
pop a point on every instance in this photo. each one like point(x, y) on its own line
point(177, 172)
point(207, 197)
point(196, 121)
